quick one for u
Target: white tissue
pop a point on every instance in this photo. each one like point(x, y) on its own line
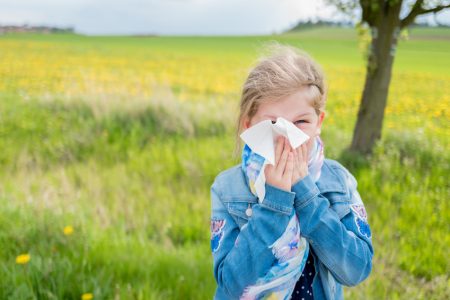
point(262, 137)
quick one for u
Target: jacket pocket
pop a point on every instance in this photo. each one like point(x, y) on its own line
point(241, 211)
point(339, 203)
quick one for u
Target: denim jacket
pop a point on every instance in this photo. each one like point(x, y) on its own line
point(332, 219)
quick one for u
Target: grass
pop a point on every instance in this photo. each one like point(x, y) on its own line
point(121, 137)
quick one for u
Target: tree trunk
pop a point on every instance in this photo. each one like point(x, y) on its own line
point(379, 68)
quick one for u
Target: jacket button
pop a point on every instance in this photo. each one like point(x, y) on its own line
point(248, 211)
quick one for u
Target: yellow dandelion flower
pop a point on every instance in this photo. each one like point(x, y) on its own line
point(68, 230)
point(87, 296)
point(23, 259)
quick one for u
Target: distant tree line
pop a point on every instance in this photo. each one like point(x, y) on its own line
point(34, 29)
point(310, 24)
point(301, 25)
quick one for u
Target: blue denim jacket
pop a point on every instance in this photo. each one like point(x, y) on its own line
point(331, 215)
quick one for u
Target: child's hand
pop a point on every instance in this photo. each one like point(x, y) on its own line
point(280, 175)
point(300, 163)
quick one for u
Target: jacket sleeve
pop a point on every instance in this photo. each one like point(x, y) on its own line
point(344, 245)
point(240, 257)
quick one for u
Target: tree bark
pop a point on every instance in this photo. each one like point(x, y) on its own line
point(379, 69)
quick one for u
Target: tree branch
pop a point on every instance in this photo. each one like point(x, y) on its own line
point(434, 10)
point(370, 10)
point(365, 10)
point(417, 9)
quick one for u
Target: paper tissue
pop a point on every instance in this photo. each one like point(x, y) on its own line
point(262, 137)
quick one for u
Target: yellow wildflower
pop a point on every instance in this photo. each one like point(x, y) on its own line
point(68, 230)
point(87, 296)
point(23, 259)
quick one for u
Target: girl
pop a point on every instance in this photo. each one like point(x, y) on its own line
point(309, 235)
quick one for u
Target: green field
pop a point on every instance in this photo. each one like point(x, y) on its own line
point(121, 137)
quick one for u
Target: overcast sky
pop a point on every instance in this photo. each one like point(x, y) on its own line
point(169, 17)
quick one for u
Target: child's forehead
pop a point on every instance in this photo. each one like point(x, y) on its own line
point(290, 105)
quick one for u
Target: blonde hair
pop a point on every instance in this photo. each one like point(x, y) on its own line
point(282, 72)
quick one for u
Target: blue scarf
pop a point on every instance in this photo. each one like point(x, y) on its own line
point(290, 249)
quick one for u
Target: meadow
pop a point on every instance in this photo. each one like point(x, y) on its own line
point(109, 145)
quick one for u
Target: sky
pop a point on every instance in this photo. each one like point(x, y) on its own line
point(171, 17)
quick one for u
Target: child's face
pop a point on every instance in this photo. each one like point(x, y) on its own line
point(294, 108)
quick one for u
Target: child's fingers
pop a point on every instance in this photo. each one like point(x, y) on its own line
point(279, 148)
point(289, 167)
point(296, 158)
point(296, 161)
point(267, 168)
point(282, 163)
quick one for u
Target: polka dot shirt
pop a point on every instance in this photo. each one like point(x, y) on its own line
point(303, 287)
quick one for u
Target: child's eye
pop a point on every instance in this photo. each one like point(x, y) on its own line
point(273, 122)
point(299, 121)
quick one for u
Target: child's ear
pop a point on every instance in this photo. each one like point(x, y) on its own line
point(246, 123)
point(319, 122)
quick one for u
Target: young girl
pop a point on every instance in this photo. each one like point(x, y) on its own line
point(309, 235)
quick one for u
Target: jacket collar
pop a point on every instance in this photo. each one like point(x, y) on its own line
point(330, 180)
